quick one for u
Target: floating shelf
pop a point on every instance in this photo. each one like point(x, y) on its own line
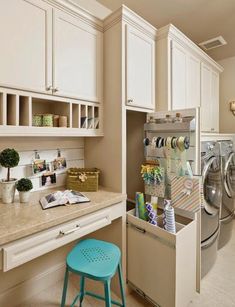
point(17, 109)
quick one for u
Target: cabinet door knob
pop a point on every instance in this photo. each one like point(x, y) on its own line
point(49, 88)
point(55, 89)
point(130, 100)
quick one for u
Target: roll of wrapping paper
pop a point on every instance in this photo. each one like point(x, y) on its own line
point(152, 217)
point(140, 204)
point(154, 202)
point(137, 204)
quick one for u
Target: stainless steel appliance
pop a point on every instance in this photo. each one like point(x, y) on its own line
point(212, 197)
point(227, 159)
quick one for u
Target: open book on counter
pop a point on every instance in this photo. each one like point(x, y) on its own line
point(60, 198)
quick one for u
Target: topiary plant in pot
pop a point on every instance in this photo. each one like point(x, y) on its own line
point(24, 185)
point(8, 158)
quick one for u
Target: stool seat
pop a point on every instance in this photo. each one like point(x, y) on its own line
point(94, 259)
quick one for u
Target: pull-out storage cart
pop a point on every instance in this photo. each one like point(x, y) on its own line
point(162, 265)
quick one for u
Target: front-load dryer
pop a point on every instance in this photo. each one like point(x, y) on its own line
point(227, 159)
point(211, 203)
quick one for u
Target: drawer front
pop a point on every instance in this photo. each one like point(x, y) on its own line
point(26, 249)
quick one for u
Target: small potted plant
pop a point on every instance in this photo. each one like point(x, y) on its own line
point(8, 158)
point(24, 185)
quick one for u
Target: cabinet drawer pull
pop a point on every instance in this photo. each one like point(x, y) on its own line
point(140, 229)
point(130, 100)
point(64, 233)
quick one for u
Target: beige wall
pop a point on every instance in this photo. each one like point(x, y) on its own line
point(227, 93)
point(135, 152)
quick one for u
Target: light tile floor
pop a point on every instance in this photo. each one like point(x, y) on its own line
point(217, 288)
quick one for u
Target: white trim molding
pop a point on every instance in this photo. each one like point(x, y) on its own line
point(127, 15)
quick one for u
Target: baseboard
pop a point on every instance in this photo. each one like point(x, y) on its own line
point(28, 288)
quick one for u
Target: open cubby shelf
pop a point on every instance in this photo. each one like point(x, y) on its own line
point(17, 110)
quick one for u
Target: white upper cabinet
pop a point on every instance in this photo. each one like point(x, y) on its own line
point(47, 50)
point(178, 77)
point(193, 82)
point(209, 99)
point(186, 77)
point(77, 58)
point(215, 101)
point(206, 118)
point(26, 44)
point(140, 69)
point(129, 43)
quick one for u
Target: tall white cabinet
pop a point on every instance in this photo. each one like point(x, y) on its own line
point(186, 77)
point(129, 86)
point(140, 68)
point(26, 45)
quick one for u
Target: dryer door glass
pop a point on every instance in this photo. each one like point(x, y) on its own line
point(229, 175)
point(212, 186)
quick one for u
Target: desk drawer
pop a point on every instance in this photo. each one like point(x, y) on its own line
point(28, 248)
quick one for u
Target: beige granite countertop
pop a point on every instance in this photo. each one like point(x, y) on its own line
point(19, 220)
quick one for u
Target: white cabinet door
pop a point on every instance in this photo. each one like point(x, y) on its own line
point(209, 99)
point(178, 77)
point(77, 58)
point(140, 69)
point(206, 98)
point(26, 44)
point(214, 101)
point(193, 82)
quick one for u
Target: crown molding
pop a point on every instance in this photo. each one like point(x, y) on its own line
point(127, 15)
point(170, 31)
point(75, 10)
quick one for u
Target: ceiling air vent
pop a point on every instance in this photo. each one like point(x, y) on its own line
point(213, 43)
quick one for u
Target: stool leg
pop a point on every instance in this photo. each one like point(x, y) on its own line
point(82, 287)
point(107, 293)
point(66, 276)
point(121, 285)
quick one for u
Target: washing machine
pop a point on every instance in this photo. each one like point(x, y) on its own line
point(211, 204)
point(227, 159)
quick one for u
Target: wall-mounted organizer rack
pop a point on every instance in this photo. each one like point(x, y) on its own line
point(18, 108)
point(189, 127)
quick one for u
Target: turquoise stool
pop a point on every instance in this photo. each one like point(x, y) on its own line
point(97, 260)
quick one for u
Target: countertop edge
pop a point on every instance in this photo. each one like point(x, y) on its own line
point(60, 220)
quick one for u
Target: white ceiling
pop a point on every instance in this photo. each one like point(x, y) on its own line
point(200, 20)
